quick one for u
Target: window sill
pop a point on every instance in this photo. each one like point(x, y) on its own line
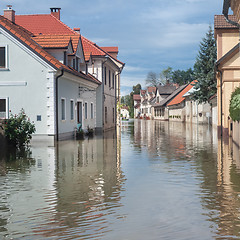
point(4, 69)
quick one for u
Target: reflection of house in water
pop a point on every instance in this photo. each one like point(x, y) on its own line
point(89, 182)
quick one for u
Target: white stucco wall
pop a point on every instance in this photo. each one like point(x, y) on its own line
point(25, 83)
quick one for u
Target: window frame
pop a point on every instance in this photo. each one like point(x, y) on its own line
point(86, 110)
point(72, 115)
point(92, 111)
point(6, 58)
point(63, 107)
point(6, 106)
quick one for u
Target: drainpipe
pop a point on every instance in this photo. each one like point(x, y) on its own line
point(56, 93)
point(103, 83)
point(221, 104)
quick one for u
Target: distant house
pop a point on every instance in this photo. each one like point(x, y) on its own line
point(177, 106)
point(136, 105)
point(199, 113)
point(147, 97)
point(124, 112)
point(160, 106)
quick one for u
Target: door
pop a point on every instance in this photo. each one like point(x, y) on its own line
point(79, 112)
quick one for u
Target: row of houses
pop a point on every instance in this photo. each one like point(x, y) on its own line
point(174, 103)
point(60, 78)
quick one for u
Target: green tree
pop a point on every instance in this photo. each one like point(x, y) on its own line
point(166, 76)
point(182, 77)
point(204, 68)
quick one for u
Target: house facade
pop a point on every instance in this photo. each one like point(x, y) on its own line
point(136, 105)
point(41, 73)
point(147, 98)
point(228, 68)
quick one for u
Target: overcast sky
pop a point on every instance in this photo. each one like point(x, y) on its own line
point(151, 34)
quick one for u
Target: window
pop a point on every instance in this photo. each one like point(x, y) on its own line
point(65, 58)
point(91, 110)
point(2, 57)
point(3, 108)
point(74, 64)
point(113, 79)
point(105, 114)
point(63, 108)
point(71, 109)
point(77, 63)
point(86, 112)
point(105, 75)
point(109, 78)
point(113, 115)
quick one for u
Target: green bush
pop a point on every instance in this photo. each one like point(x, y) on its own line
point(234, 107)
point(18, 129)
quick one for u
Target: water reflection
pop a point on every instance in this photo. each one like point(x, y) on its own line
point(161, 180)
point(73, 189)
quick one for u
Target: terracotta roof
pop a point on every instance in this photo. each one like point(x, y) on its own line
point(136, 97)
point(43, 24)
point(143, 92)
point(53, 41)
point(91, 48)
point(110, 49)
point(179, 97)
point(167, 89)
point(220, 22)
point(23, 36)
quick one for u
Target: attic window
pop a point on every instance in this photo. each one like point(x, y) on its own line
point(2, 57)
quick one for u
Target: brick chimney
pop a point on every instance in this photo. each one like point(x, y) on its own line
point(9, 13)
point(56, 12)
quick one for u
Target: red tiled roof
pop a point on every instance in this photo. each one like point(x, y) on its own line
point(91, 48)
point(24, 37)
point(136, 97)
point(94, 79)
point(47, 24)
point(151, 89)
point(110, 49)
point(43, 24)
point(179, 98)
point(143, 92)
point(220, 22)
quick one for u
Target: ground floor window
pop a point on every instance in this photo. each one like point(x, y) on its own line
point(71, 109)
point(113, 115)
point(86, 111)
point(3, 108)
point(63, 108)
point(105, 114)
point(91, 110)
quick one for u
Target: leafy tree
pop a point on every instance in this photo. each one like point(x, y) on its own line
point(166, 76)
point(137, 89)
point(234, 107)
point(182, 77)
point(204, 68)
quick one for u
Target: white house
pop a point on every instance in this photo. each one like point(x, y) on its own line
point(38, 79)
point(88, 57)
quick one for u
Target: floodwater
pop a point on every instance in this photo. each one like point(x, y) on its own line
point(156, 180)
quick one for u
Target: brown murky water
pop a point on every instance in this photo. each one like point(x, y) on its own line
point(158, 180)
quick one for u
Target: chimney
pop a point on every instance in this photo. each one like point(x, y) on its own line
point(9, 13)
point(56, 12)
point(77, 30)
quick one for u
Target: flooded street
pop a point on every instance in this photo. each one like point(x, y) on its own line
point(158, 180)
